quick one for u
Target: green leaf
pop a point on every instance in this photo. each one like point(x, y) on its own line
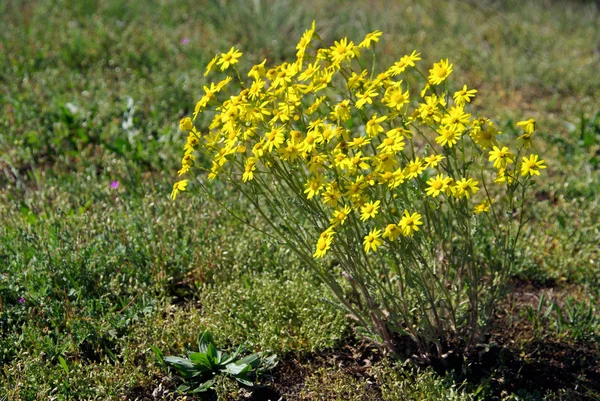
point(204, 340)
point(184, 366)
point(159, 356)
point(63, 364)
point(245, 380)
point(203, 387)
point(235, 369)
point(211, 353)
point(252, 360)
point(202, 360)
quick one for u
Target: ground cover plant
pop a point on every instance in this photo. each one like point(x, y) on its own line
point(98, 264)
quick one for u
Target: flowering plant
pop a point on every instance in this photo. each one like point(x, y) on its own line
point(412, 200)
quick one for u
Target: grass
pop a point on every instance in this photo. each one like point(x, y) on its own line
point(91, 92)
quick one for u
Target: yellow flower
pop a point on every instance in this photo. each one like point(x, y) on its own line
point(373, 240)
point(437, 185)
point(341, 111)
point(356, 79)
point(342, 50)
point(274, 138)
point(323, 245)
point(485, 138)
point(372, 37)
point(313, 187)
point(304, 41)
point(449, 135)
point(528, 125)
point(532, 166)
point(456, 116)
point(210, 65)
point(256, 88)
point(258, 71)
point(308, 73)
point(433, 160)
point(179, 186)
point(465, 187)
point(406, 61)
point(464, 95)
point(369, 210)
point(186, 124)
point(249, 168)
point(439, 72)
point(340, 215)
point(501, 157)
point(364, 98)
point(394, 98)
point(414, 169)
point(332, 195)
point(372, 126)
point(392, 231)
point(502, 177)
point(391, 144)
point(409, 223)
point(289, 152)
point(482, 207)
point(228, 59)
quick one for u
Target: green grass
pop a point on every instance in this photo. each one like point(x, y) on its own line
point(91, 92)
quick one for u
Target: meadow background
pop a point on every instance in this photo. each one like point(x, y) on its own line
point(97, 263)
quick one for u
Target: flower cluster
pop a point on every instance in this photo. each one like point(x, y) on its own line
point(388, 159)
point(299, 115)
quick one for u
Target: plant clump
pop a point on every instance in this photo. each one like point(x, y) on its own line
point(407, 205)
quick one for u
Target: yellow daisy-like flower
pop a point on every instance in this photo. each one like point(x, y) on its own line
point(179, 186)
point(485, 138)
point(501, 157)
point(373, 127)
point(414, 169)
point(406, 61)
point(372, 240)
point(465, 187)
point(365, 97)
point(482, 207)
point(449, 135)
point(502, 176)
point(313, 187)
point(531, 166)
point(464, 96)
point(394, 98)
point(258, 71)
point(249, 168)
point(342, 50)
point(274, 138)
point(228, 59)
point(372, 37)
point(439, 72)
point(186, 124)
point(323, 245)
point(211, 65)
point(437, 185)
point(433, 160)
point(392, 231)
point(528, 125)
point(340, 215)
point(409, 223)
point(369, 210)
point(358, 142)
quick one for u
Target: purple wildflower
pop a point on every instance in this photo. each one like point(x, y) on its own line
point(114, 184)
point(21, 300)
point(185, 41)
